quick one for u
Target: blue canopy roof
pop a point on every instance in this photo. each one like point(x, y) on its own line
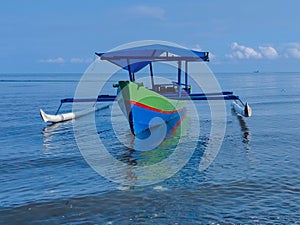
point(134, 59)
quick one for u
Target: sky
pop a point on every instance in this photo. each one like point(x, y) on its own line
point(44, 36)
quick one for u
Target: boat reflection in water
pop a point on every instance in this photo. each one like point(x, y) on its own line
point(56, 134)
point(244, 129)
point(159, 142)
point(150, 164)
point(246, 135)
point(155, 154)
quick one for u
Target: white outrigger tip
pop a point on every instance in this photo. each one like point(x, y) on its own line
point(56, 118)
point(67, 116)
point(245, 110)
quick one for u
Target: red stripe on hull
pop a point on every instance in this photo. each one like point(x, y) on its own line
point(154, 109)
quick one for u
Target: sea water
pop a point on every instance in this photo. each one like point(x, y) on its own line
point(44, 178)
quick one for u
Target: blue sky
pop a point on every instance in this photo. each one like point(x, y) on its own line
point(62, 35)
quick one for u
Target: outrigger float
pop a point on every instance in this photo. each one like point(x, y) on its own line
point(165, 101)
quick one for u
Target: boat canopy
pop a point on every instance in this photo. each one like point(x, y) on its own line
point(135, 59)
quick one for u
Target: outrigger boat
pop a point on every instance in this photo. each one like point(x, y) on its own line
point(165, 101)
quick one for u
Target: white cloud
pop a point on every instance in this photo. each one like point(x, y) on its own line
point(81, 60)
point(198, 48)
point(77, 60)
point(243, 52)
point(268, 52)
point(211, 56)
point(58, 60)
point(286, 50)
point(293, 51)
point(148, 11)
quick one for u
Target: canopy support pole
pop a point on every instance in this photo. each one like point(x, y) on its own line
point(129, 71)
point(151, 75)
point(179, 78)
point(186, 76)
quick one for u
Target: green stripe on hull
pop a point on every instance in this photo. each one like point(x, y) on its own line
point(138, 93)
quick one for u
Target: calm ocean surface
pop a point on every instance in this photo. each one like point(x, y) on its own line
point(255, 178)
